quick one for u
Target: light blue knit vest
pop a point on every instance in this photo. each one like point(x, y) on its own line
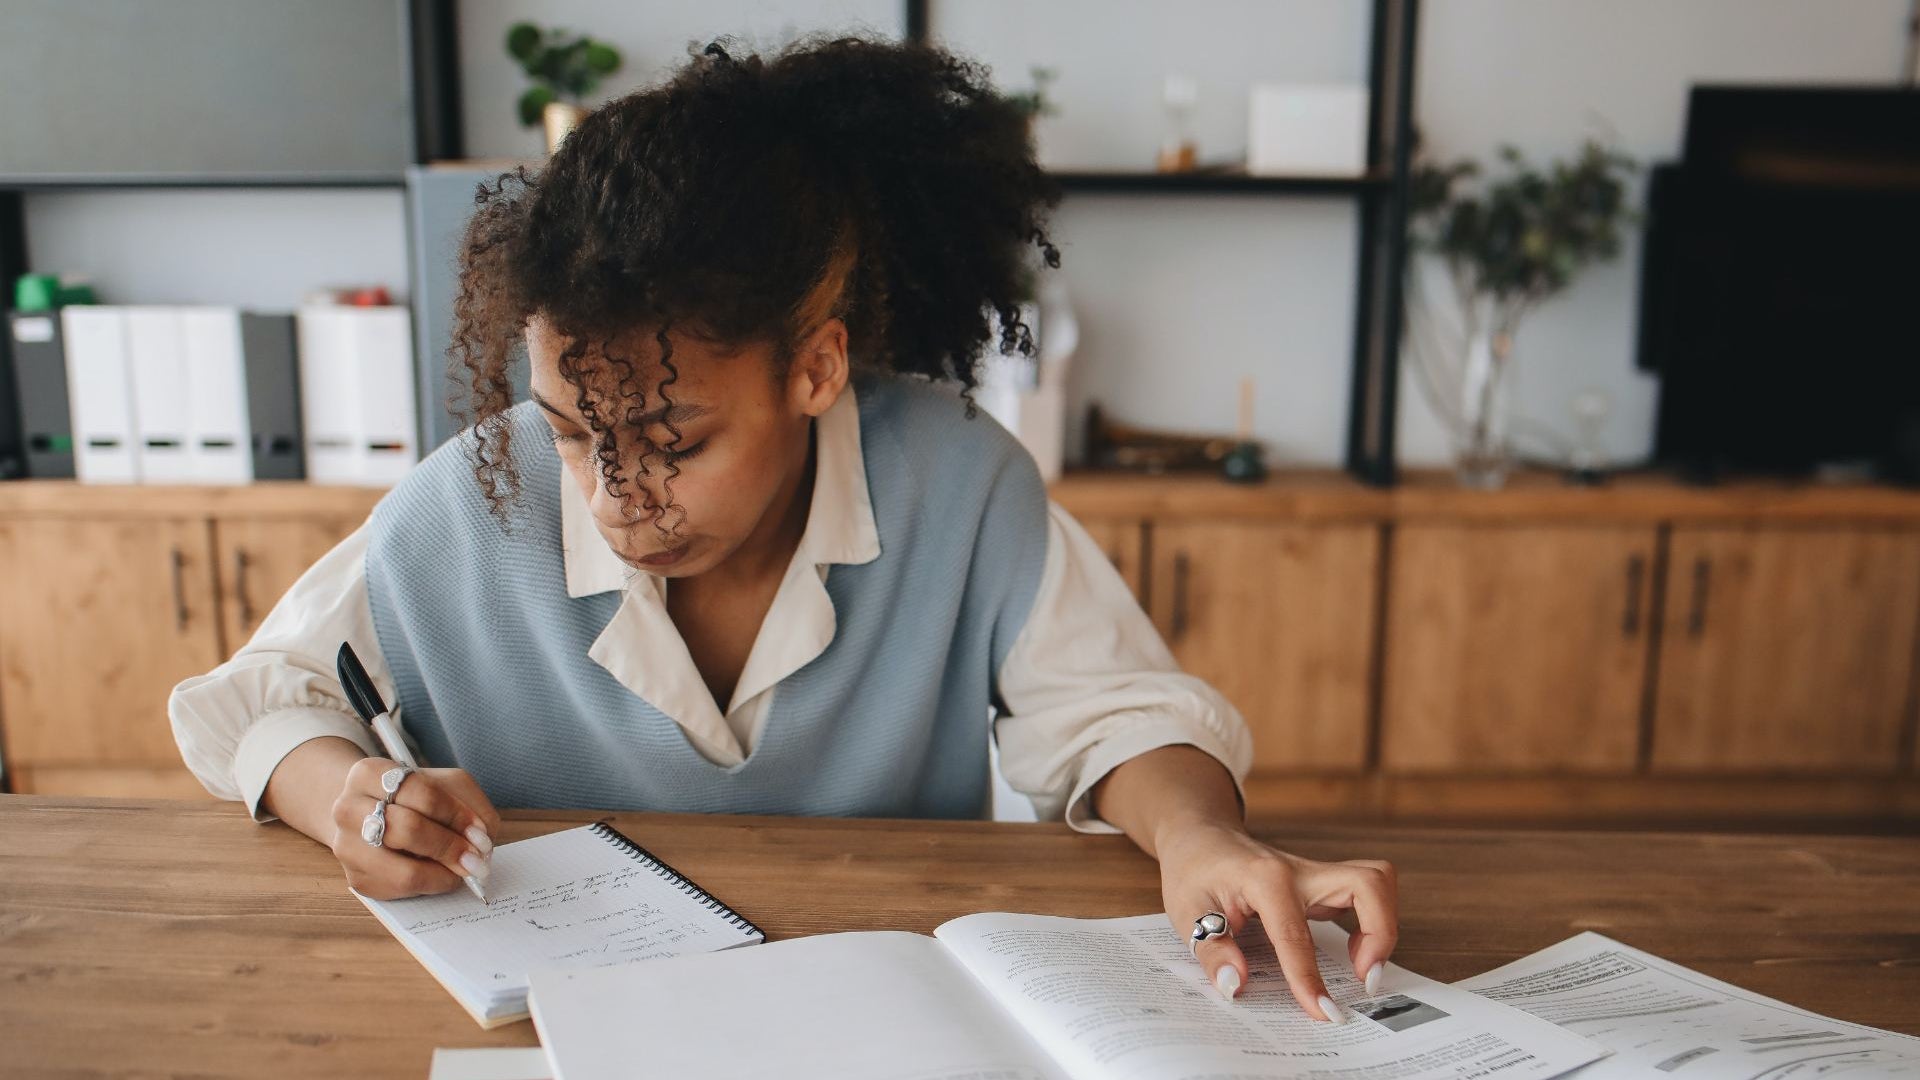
point(489, 654)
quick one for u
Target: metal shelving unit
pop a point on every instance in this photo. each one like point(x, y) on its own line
point(1382, 194)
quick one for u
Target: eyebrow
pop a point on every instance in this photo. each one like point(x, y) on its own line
point(674, 414)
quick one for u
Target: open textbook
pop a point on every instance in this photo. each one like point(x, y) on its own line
point(1023, 997)
point(1662, 1020)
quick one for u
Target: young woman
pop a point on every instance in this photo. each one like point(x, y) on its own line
point(735, 553)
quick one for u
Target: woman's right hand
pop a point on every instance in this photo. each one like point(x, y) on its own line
point(440, 828)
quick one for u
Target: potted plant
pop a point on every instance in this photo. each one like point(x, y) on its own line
point(1035, 103)
point(1509, 245)
point(565, 68)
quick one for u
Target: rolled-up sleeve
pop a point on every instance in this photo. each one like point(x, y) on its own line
point(235, 723)
point(1088, 684)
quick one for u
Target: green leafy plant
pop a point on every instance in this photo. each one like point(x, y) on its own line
point(1035, 102)
point(1527, 233)
point(562, 65)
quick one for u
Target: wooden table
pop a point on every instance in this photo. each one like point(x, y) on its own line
point(152, 938)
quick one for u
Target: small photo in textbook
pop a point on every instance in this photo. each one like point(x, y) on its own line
point(579, 898)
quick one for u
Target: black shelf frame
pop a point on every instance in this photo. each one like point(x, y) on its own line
point(1382, 193)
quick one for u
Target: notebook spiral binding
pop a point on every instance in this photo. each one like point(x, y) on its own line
point(674, 877)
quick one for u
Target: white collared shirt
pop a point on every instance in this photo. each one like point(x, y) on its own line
point(1087, 684)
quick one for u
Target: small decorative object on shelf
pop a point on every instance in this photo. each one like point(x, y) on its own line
point(1179, 152)
point(565, 68)
point(1035, 103)
point(1506, 249)
point(1588, 462)
point(1111, 445)
point(1243, 464)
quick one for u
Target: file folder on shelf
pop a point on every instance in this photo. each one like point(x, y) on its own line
point(100, 393)
point(40, 387)
point(162, 395)
point(356, 393)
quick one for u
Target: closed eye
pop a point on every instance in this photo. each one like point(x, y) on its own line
point(688, 454)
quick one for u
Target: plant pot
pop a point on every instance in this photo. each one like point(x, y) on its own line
point(560, 118)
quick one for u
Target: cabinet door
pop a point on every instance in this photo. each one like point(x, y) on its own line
point(260, 560)
point(1786, 649)
point(1516, 648)
point(102, 618)
point(1280, 619)
point(1124, 542)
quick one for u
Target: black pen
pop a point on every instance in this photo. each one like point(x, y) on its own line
point(366, 701)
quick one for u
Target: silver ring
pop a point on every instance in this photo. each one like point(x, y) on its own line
point(373, 828)
point(1206, 928)
point(390, 782)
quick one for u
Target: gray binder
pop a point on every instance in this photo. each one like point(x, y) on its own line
point(39, 385)
point(273, 396)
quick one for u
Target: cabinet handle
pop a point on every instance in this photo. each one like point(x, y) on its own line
point(1179, 595)
point(1697, 613)
point(179, 590)
point(1636, 576)
point(240, 561)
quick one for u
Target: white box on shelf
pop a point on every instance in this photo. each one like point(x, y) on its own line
point(1307, 130)
point(356, 393)
point(162, 396)
point(99, 394)
point(216, 371)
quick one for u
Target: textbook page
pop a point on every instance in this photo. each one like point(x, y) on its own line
point(1124, 999)
point(1661, 1019)
point(883, 1005)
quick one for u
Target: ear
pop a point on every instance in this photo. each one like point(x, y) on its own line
point(819, 370)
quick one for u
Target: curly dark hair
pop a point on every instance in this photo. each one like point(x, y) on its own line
point(746, 200)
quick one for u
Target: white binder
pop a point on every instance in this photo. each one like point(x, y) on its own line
point(217, 424)
point(356, 393)
point(162, 398)
point(99, 394)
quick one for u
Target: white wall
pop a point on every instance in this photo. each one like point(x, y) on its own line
point(1181, 296)
point(652, 35)
point(258, 248)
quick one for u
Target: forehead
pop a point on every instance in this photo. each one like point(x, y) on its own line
point(702, 369)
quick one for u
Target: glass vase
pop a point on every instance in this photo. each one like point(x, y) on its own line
point(1483, 451)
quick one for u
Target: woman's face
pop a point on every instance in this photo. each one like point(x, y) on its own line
point(741, 455)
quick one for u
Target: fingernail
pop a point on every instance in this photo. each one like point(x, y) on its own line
point(478, 838)
point(1373, 977)
point(1335, 1014)
point(1227, 981)
point(474, 865)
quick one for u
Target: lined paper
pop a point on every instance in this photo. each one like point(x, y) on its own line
point(575, 898)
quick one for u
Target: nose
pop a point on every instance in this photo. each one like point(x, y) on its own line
point(609, 508)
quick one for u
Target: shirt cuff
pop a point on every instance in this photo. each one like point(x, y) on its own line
point(1122, 746)
point(273, 737)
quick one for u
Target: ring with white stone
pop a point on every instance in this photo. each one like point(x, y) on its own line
point(1206, 928)
point(390, 782)
point(373, 829)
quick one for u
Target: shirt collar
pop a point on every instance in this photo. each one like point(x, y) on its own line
point(840, 527)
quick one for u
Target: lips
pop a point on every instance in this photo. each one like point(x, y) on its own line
point(663, 558)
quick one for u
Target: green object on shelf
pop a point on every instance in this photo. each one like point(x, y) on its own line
point(43, 292)
point(1242, 465)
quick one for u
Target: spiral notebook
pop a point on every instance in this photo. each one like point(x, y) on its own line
point(579, 898)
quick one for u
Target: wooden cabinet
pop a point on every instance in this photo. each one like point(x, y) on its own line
point(1280, 618)
point(1514, 648)
point(1124, 541)
point(1787, 649)
point(102, 618)
point(109, 596)
point(260, 559)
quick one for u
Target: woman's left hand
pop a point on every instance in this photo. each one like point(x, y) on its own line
point(1218, 867)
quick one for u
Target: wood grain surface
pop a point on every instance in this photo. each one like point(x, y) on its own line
point(174, 938)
